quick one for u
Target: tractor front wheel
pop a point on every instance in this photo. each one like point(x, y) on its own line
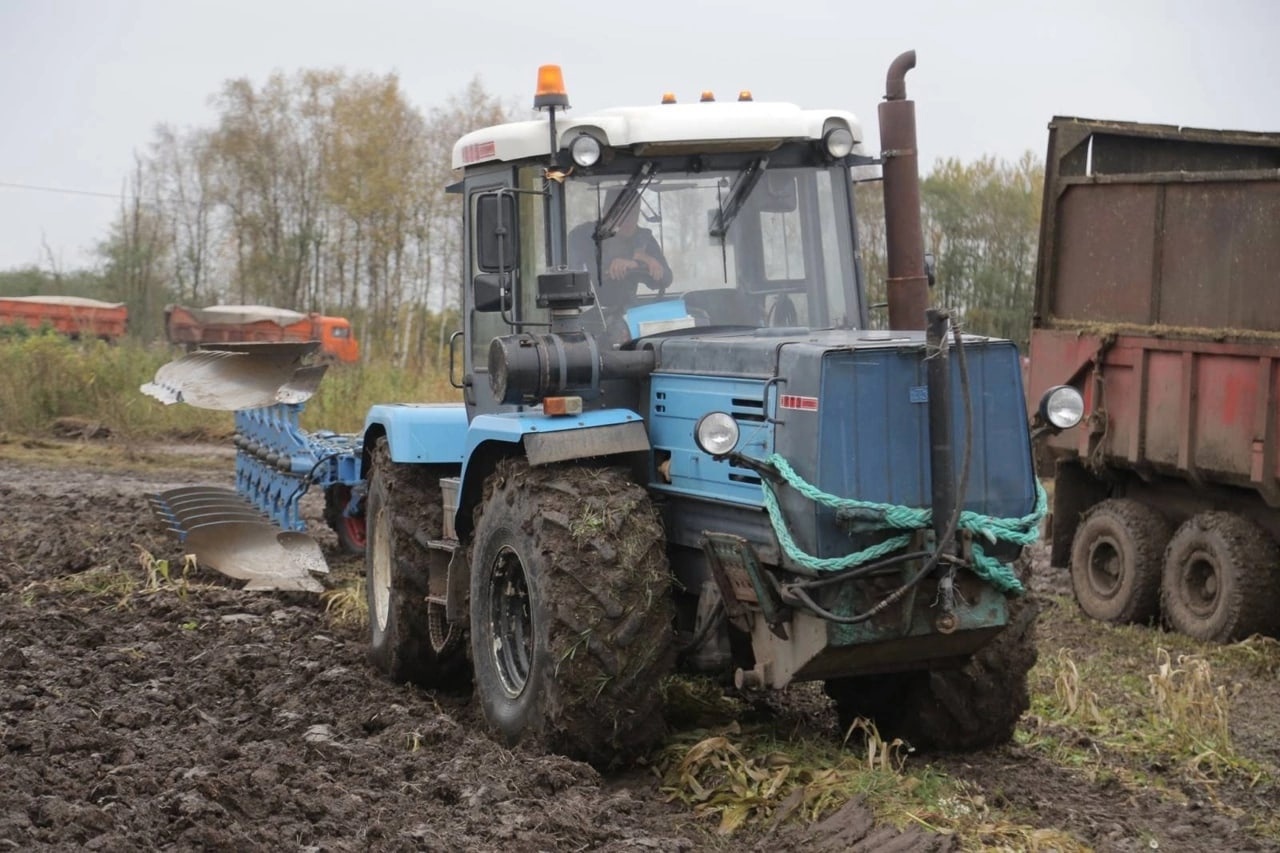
point(570, 611)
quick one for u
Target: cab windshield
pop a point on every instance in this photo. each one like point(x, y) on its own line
point(753, 245)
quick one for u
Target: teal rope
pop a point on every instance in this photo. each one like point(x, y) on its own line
point(1022, 531)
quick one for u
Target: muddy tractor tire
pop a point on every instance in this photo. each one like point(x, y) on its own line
point(1116, 560)
point(972, 707)
point(571, 615)
point(408, 641)
point(1221, 580)
point(351, 530)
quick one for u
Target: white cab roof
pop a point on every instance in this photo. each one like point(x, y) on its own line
point(709, 123)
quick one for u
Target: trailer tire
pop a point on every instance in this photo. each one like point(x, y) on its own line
point(401, 645)
point(1116, 559)
point(1220, 579)
point(971, 707)
point(571, 616)
point(350, 529)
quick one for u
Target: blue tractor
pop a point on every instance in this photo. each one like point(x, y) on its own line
point(682, 445)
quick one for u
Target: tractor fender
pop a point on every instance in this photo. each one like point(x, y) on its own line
point(430, 433)
point(542, 439)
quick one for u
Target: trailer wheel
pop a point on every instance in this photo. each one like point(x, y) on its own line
point(403, 645)
point(571, 617)
point(1116, 557)
point(973, 707)
point(1220, 578)
point(351, 530)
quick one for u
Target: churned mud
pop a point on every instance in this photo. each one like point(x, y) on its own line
point(145, 704)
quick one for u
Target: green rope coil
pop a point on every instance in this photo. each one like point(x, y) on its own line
point(1021, 531)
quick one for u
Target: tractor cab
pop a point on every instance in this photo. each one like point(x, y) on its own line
point(672, 219)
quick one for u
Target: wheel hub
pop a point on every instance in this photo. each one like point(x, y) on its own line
point(511, 622)
point(1200, 585)
point(1106, 569)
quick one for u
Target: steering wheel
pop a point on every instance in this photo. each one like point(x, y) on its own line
point(783, 312)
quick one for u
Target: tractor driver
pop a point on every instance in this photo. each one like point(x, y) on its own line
point(629, 257)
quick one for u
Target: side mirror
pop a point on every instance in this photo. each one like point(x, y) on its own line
point(495, 227)
point(931, 268)
point(492, 291)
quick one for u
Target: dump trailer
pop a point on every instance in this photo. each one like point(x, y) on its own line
point(74, 316)
point(1159, 258)
point(218, 324)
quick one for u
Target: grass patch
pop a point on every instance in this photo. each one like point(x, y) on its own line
point(1148, 709)
point(120, 584)
point(752, 779)
point(347, 604)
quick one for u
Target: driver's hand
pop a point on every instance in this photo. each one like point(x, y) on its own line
point(655, 268)
point(619, 267)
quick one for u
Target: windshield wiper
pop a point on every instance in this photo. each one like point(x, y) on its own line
point(627, 199)
point(742, 187)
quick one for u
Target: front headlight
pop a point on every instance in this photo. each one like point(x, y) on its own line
point(585, 150)
point(716, 433)
point(1062, 406)
point(839, 142)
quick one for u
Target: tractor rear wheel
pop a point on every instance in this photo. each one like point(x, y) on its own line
point(1221, 581)
point(405, 644)
point(571, 617)
point(1116, 557)
point(972, 707)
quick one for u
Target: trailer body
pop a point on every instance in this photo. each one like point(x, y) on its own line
point(1155, 298)
point(74, 316)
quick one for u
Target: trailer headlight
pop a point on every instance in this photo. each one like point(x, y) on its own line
point(585, 150)
point(839, 142)
point(716, 433)
point(1062, 406)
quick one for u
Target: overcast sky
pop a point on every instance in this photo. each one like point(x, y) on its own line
point(83, 83)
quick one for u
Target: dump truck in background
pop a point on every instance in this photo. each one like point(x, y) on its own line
point(219, 324)
point(75, 316)
point(1158, 300)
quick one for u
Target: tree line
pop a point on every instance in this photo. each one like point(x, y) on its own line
point(326, 191)
point(321, 191)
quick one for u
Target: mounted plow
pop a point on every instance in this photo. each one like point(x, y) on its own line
point(255, 532)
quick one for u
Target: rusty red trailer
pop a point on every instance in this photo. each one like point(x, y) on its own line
point(1158, 298)
point(74, 316)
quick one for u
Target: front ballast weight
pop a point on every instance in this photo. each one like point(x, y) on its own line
point(824, 617)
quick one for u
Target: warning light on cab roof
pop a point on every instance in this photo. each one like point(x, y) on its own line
point(551, 91)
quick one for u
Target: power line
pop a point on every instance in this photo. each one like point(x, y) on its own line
point(62, 190)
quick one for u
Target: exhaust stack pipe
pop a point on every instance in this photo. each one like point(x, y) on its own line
point(907, 286)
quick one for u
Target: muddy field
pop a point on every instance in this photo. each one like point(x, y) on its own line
point(145, 711)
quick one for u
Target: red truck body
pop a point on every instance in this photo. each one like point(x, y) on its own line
point(74, 316)
point(236, 323)
point(1156, 297)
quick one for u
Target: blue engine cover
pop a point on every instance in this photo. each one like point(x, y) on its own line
point(849, 412)
point(866, 412)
